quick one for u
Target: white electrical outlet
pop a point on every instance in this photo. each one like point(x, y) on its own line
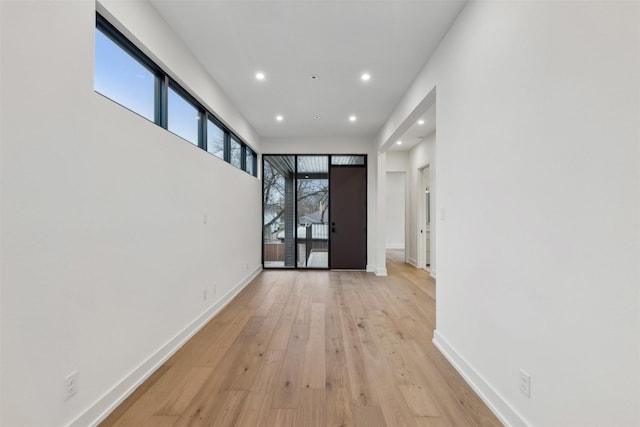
point(204, 295)
point(70, 385)
point(525, 383)
point(205, 218)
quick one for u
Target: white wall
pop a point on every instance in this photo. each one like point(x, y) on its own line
point(104, 251)
point(539, 257)
point(397, 161)
point(395, 210)
point(344, 145)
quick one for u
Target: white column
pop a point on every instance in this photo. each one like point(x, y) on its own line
point(381, 256)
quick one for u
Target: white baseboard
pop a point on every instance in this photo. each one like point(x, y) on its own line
point(413, 262)
point(381, 272)
point(97, 412)
point(498, 405)
point(432, 273)
point(396, 246)
point(371, 268)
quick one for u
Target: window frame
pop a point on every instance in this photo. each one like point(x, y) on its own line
point(234, 139)
point(252, 157)
point(186, 96)
point(214, 120)
point(112, 33)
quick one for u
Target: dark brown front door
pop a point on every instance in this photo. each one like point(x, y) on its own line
point(348, 217)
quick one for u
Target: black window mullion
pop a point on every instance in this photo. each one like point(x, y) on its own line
point(202, 129)
point(161, 100)
point(227, 147)
point(295, 210)
point(243, 157)
point(254, 157)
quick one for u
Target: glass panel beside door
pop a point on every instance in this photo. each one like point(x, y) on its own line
point(278, 212)
point(312, 197)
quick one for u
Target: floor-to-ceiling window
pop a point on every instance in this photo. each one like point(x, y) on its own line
point(278, 201)
point(312, 196)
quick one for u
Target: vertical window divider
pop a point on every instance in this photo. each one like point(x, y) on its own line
point(161, 100)
point(202, 129)
point(243, 157)
point(295, 209)
point(255, 163)
point(227, 147)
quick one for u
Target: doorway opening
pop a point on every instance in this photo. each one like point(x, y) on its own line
point(424, 196)
point(396, 214)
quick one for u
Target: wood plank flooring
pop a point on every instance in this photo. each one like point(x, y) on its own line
point(316, 348)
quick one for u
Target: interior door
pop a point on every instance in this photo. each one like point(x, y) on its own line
point(348, 217)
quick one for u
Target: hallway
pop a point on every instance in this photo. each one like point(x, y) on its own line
point(313, 348)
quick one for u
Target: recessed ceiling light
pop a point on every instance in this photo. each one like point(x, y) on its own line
point(420, 122)
point(260, 75)
point(365, 77)
point(352, 118)
point(399, 142)
point(314, 77)
point(279, 118)
point(316, 117)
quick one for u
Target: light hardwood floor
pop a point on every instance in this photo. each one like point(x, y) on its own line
point(316, 348)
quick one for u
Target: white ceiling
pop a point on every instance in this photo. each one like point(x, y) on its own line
point(291, 40)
